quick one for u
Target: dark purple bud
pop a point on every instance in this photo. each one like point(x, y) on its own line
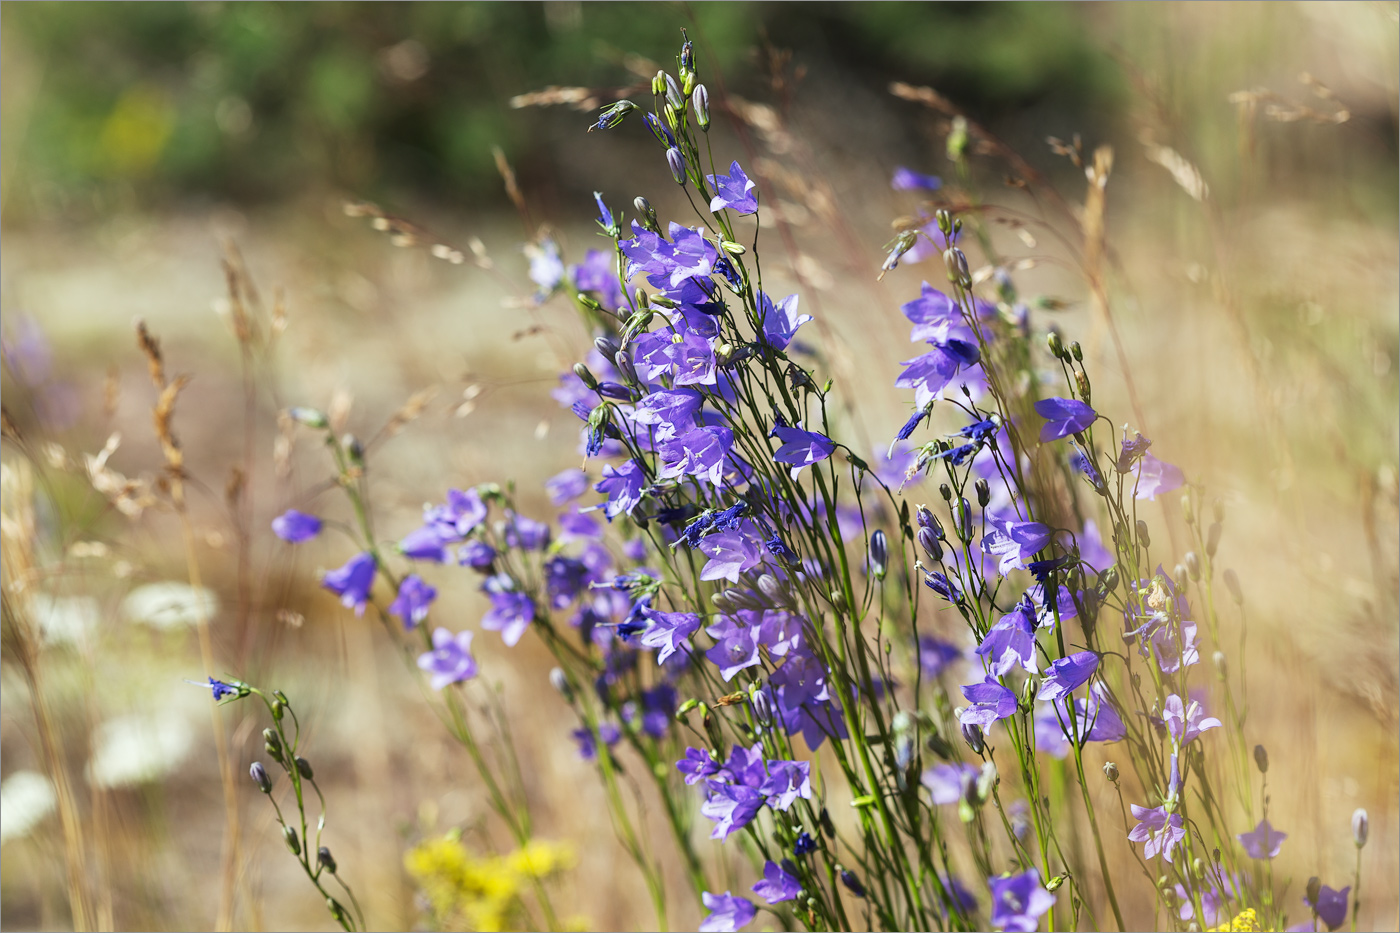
point(614, 390)
point(662, 134)
point(879, 553)
point(259, 775)
point(806, 845)
point(972, 735)
point(849, 879)
point(964, 516)
point(676, 162)
point(984, 492)
point(929, 542)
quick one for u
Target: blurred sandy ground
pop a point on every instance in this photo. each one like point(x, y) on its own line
point(1263, 347)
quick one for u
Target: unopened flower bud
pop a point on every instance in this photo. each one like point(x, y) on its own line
point(944, 221)
point(310, 417)
point(1232, 583)
point(560, 682)
point(1179, 572)
point(658, 84)
point(1212, 539)
point(1054, 883)
point(676, 162)
point(649, 220)
point(1221, 663)
point(1313, 889)
point(849, 879)
point(945, 491)
point(674, 97)
point(929, 542)
point(923, 516)
point(1110, 771)
point(1261, 759)
point(1076, 352)
point(1057, 347)
point(1188, 514)
point(1144, 538)
point(1193, 565)
point(1360, 827)
point(963, 513)
point(259, 775)
point(293, 843)
point(274, 742)
point(325, 859)
point(956, 264)
point(354, 450)
point(972, 735)
point(585, 375)
point(879, 553)
point(984, 492)
point(1081, 381)
point(304, 768)
point(1028, 691)
point(700, 100)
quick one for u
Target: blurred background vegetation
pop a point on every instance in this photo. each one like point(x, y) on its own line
point(137, 140)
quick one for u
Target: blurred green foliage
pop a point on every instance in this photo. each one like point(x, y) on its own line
point(257, 101)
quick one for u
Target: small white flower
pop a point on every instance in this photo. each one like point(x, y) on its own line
point(170, 605)
point(136, 749)
point(26, 798)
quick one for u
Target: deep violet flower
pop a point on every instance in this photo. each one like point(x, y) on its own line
point(734, 190)
point(727, 913)
point(1063, 417)
point(413, 599)
point(779, 883)
point(295, 527)
point(353, 581)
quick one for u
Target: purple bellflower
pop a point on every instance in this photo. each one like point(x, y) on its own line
point(1264, 842)
point(1331, 906)
point(734, 190)
point(353, 581)
point(735, 648)
point(1011, 642)
point(990, 702)
point(731, 553)
point(1014, 542)
point(669, 632)
point(727, 913)
point(801, 448)
point(906, 179)
point(450, 660)
point(1063, 417)
point(945, 782)
point(936, 654)
point(778, 884)
point(731, 807)
point(779, 321)
point(1159, 830)
point(295, 527)
point(566, 486)
point(623, 486)
point(700, 452)
point(511, 611)
point(412, 602)
point(1019, 901)
point(1186, 721)
point(1067, 674)
point(1156, 476)
point(697, 765)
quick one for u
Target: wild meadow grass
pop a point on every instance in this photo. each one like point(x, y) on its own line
point(801, 637)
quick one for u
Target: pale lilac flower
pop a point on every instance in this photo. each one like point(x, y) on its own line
point(727, 913)
point(623, 486)
point(779, 883)
point(566, 486)
point(990, 702)
point(1155, 476)
point(670, 412)
point(1159, 830)
point(779, 321)
point(450, 660)
point(927, 375)
point(735, 648)
point(730, 806)
point(1067, 674)
point(1331, 906)
point(700, 452)
point(1063, 417)
point(734, 190)
point(511, 611)
point(597, 274)
point(669, 632)
point(1014, 542)
point(787, 781)
point(945, 782)
point(425, 543)
point(1264, 842)
point(413, 599)
point(295, 527)
point(1091, 547)
point(353, 581)
point(1186, 721)
point(694, 361)
point(1019, 901)
point(936, 654)
point(731, 553)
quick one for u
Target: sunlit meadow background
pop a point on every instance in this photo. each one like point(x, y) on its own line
point(1252, 272)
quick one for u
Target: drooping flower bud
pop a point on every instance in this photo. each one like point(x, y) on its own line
point(929, 542)
point(1193, 565)
point(304, 768)
point(972, 735)
point(649, 219)
point(325, 859)
point(290, 836)
point(585, 375)
point(1110, 771)
point(1232, 583)
point(676, 163)
point(1057, 347)
point(1261, 759)
point(259, 775)
point(984, 492)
